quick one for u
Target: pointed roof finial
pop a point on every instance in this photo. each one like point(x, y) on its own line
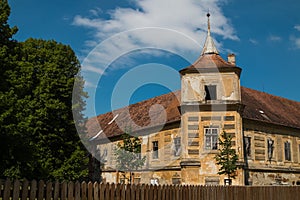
point(208, 22)
point(209, 46)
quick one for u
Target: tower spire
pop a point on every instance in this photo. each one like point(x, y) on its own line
point(209, 46)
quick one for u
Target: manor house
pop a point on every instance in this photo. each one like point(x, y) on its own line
point(180, 143)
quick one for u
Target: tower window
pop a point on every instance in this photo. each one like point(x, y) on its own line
point(155, 150)
point(211, 92)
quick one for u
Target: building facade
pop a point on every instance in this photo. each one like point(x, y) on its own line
point(180, 146)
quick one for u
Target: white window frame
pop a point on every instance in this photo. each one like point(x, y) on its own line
point(211, 135)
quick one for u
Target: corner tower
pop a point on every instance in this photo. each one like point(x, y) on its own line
point(210, 104)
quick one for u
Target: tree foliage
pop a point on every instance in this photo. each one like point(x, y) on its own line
point(38, 137)
point(128, 154)
point(227, 157)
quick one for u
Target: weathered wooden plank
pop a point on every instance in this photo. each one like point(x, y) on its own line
point(132, 192)
point(56, 190)
point(102, 191)
point(123, 192)
point(118, 192)
point(159, 192)
point(48, 190)
point(40, 191)
point(96, 190)
point(64, 187)
point(147, 192)
point(33, 189)
point(142, 191)
point(77, 191)
point(16, 190)
point(25, 189)
point(70, 191)
point(127, 192)
point(83, 190)
point(112, 191)
point(90, 191)
point(107, 191)
point(7, 189)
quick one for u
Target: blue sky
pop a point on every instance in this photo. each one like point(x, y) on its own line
point(131, 50)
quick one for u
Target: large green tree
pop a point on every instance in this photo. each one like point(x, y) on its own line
point(38, 137)
point(9, 141)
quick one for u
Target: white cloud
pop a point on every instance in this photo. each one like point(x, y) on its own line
point(297, 27)
point(185, 16)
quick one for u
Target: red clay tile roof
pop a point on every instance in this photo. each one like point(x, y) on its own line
point(268, 108)
point(145, 114)
point(259, 106)
point(210, 62)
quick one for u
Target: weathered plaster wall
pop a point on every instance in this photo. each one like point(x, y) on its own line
point(267, 164)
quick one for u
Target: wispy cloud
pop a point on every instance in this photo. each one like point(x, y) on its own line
point(253, 41)
point(274, 38)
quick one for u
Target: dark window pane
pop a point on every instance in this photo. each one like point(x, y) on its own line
point(211, 92)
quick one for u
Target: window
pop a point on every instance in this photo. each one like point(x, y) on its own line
point(104, 155)
point(287, 151)
point(177, 146)
point(211, 92)
point(155, 149)
point(211, 138)
point(247, 143)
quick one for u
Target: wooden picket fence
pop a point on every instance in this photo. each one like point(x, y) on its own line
point(25, 190)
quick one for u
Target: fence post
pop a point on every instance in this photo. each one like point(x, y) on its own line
point(112, 191)
point(56, 190)
point(142, 191)
point(132, 191)
point(83, 191)
point(96, 190)
point(118, 191)
point(40, 190)
point(102, 191)
point(77, 190)
point(123, 192)
point(25, 189)
point(64, 190)
point(16, 190)
point(6, 192)
point(33, 188)
point(90, 191)
point(70, 191)
point(49, 190)
point(107, 191)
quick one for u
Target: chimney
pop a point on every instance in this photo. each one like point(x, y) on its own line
point(231, 58)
